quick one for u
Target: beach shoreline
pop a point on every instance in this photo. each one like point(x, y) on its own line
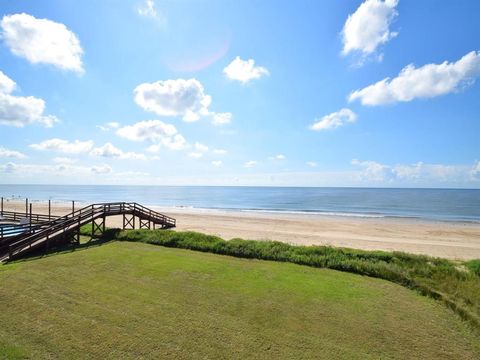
point(448, 239)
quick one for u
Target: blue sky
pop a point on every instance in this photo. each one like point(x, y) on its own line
point(306, 93)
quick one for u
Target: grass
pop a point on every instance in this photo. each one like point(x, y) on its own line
point(473, 266)
point(455, 284)
point(134, 300)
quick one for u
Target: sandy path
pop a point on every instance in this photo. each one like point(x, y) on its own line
point(443, 239)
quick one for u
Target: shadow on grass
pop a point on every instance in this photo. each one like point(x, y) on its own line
point(91, 242)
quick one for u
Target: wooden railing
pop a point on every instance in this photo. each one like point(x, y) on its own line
point(64, 226)
point(16, 216)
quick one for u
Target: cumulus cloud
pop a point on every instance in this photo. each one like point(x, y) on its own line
point(418, 173)
point(277, 157)
point(148, 9)
point(180, 97)
point(244, 70)
point(219, 119)
point(147, 130)
point(155, 131)
point(101, 169)
point(217, 163)
point(7, 85)
point(475, 170)
point(63, 170)
point(64, 146)
point(195, 154)
point(334, 120)
point(110, 151)
point(374, 171)
point(369, 26)
point(250, 164)
point(19, 111)
point(6, 153)
point(201, 147)
point(109, 126)
point(42, 41)
point(9, 168)
point(427, 81)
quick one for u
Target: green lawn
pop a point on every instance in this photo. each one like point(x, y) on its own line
point(134, 300)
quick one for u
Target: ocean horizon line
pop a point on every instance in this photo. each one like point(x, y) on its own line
point(255, 186)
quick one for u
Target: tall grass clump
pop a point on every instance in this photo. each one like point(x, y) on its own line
point(474, 266)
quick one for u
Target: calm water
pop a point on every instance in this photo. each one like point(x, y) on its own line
point(439, 204)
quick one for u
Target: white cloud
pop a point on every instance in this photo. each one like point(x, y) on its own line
point(334, 120)
point(110, 151)
point(6, 153)
point(185, 98)
point(154, 148)
point(277, 157)
point(418, 173)
point(369, 26)
point(7, 85)
point(312, 164)
point(148, 9)
point(250, 164)
point(64, 160)
point(176, 142)
point(18, 110)
point(101, 169)
point(217, 163)
point(107, 150)
point(219, 151)
point(244, 70)
point(201, 147)
point(55, 171)
point(42, 41)
point(219, 119)
point(155, 131)
point(64, 146)
point(195, 154)
point(147, 130)
point(374, 171)
point(424, 82)
point(109, 126)
point(9, 168)
point(475, 170)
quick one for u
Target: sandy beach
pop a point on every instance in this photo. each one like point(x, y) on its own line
point(453, 240)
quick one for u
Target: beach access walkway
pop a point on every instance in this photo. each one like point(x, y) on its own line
point(27, 232)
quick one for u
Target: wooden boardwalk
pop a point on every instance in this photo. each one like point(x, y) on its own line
point(45, 231)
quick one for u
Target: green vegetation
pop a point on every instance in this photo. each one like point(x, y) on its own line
point(456, 285)
point(133, 300)
point(474, 266)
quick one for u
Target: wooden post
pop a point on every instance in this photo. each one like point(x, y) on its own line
point(78, 227)
point(73, 206)
point(49, 210)
point(30, 218)
point(2, 205)
point(26, 207)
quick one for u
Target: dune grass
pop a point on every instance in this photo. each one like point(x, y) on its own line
point(134, 300)
point(473, 266)
point(456, 284)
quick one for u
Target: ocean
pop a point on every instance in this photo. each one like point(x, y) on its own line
point(430, 204)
